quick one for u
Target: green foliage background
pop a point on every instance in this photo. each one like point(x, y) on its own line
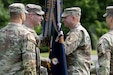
point(92, 12)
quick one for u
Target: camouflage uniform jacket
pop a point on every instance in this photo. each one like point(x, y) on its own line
point(17, 51)
point(40, 43)
point(78, 51)
point(105, 54)
point(38, 40)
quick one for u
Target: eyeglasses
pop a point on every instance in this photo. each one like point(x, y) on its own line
point(109, 15)
point(36, 14)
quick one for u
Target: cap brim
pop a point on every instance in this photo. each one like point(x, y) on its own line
point(64, 15)
point(105, 15)
point(26, 12)
point(40, 13)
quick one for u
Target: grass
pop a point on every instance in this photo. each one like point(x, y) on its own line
point(44, 54)
point(94, 52)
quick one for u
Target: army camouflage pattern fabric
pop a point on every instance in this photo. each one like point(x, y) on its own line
point(41, 41)
point(17, 51)
point(42, 61)
point(78, 51)
point(105, 54)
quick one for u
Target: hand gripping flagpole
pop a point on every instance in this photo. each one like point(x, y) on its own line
point(52, 26)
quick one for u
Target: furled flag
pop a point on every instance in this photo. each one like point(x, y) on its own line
point(51, 29)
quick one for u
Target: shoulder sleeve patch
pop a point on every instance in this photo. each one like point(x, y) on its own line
point(71, 38)
point(31, 37)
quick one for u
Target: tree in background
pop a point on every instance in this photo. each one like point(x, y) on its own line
point(4, 17)
point(92, 15)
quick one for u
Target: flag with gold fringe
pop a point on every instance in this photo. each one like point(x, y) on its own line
point(51, 29)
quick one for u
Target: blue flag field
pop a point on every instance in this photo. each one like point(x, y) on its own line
point(52, 25)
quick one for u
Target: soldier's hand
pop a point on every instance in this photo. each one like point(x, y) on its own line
point(60, 36)
point(61, 39)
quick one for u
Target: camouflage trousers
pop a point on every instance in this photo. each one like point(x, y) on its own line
point(43, 71)
point(77, 71)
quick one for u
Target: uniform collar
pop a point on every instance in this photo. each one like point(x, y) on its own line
point(76, 26)
point(29, 29)
point(15, 24)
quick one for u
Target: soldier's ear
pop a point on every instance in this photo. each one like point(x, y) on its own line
point(21, 16)
point(74, 17)
point(111, 19)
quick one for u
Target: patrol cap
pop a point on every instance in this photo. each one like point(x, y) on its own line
point(34, 8)
point(17, 8)
point(109, 11)
point(72, 11)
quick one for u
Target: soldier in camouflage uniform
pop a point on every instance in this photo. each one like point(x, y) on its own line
point(17, 45)
point(77, 43)
point(105, 46)
point(34, 18)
